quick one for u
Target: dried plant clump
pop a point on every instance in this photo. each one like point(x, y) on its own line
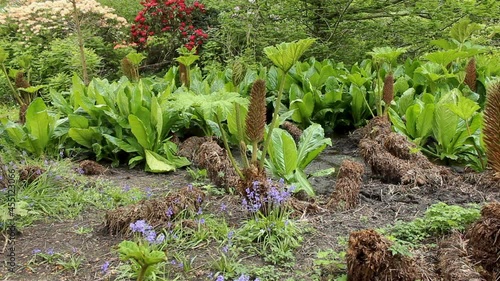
point(129, 70)
point(379, 125)
point(157, 212)
point(293, 130)
point(395, 159)
point(190, 147)
point(454, 262)
point(388, 91)
point(30, 173)
point(470, 74)
point(215, 160)
point(89, 167)
point(348, 186)
point(484, 239)
point(256, 119)
point(491, 129)
point(369, 258)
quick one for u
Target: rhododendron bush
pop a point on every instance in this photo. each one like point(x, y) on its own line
point(169, 25)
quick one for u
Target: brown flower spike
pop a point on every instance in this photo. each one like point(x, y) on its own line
point(256, 118)
point(470, 75)
point(388, 90)
point(129, 70)
point(491, 128)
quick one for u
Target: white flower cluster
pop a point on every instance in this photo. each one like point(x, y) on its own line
point(34, 17)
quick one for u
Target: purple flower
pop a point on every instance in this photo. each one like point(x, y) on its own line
point(149, 192)
point(126, 188)
point(230, 235)
point(225, 249)
point(173, 262)
point(170, 212)
point(80, 171)
point(50, 251)
point(104, 267)
point(198, 199)
point(140, 226)
point(150, 235)
point(243, 277)
point(202, 221)
point(190, 187)
point(220, 278)
point(36, 251)
point(200, 211)
point(223, 207)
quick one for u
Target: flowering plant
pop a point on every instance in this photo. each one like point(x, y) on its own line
point(43, 20)
point(143, 254)
point(173, 17)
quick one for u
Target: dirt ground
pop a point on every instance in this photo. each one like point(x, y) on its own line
point(380, 205)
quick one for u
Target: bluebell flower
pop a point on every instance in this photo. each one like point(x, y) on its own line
point(140, 226)
point(150, 236)
point(104, 267)
point(149, 192)
point(36, 251)
point(223, 207)
point(50, 251)
point(220, 278)
point(126, 187)
point(243, 277)
point(170, 212)
point(200, 211)
point(202, 221)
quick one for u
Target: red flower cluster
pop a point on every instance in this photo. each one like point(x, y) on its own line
point(172, 16)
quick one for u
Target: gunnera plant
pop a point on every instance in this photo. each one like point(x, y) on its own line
point(22, 83)
point(491, 128)
point(239, 71)
point(470, 74)
point(256, 118)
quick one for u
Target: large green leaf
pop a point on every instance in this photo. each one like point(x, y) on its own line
point(78, 121)
point(140, 132)
point(303, 108)
point(444, 126)
point(123, 145)
point(302, 183)
point(285, 55)
point(82, 136)
point(39, 124)
point(156, 163)
point(424, 121)
point(283, 152)
point(312, 142)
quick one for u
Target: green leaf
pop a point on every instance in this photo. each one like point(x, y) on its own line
point(285, 55)
point(283, 152)
point(156, 163)
point(424, 121)
point(82, 136)
point(140, 132)
point(312, 142)
point(123, 145)
point(444, 126)
point(303, 108)
point(3, 55)
point(155, 257)
point(78, 121)
point(445, 57)
point(465, 108)
point(303, 183)
point(323, 173)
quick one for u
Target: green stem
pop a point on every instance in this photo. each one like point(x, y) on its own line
point(273, 122)
point(142, 273)
point(17, 96)
point(226, 146)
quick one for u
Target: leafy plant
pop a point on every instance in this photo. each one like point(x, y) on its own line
point(288, 160)
point(143, 254)
point(39, 133)
point(439, 219)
